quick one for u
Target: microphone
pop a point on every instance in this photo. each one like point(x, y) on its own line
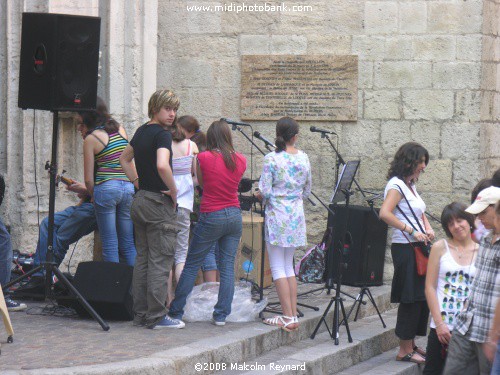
point(264, 139)
point(314, 129)
point(231, 122)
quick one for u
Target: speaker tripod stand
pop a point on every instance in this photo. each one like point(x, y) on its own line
point(49, 266)
point(342, 191)
point(365, 291)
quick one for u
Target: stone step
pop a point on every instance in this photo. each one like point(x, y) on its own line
point(385, 364)
point(321, 355)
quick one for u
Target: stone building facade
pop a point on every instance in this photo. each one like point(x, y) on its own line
point(429, 71)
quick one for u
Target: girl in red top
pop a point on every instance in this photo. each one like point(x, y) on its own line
point(219, 172)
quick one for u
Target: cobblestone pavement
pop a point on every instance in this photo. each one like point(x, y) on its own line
point(59, 341)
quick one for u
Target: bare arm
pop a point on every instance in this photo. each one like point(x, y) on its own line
point(428, 229)
point(165, 172)
point(386, 214)
point(128, 165)
point(88, 164)
point(431, 281)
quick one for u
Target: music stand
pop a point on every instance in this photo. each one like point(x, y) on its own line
point(342, 192)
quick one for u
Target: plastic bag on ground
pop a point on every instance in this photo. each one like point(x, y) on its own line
point(200, 303)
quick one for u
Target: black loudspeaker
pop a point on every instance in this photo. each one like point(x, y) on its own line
point(366, 253)
point(107, 288)
point(59, 62)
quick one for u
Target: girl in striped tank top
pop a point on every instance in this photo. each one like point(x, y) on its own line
point(109, 187)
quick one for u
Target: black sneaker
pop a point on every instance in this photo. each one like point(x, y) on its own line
point(34, 288)
point(14, 306)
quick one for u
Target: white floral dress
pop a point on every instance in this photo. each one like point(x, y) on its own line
point(285, 181)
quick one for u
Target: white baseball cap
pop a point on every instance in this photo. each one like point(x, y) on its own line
point(485, 198)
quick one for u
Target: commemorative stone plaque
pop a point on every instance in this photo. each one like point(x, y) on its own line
point(318, 88)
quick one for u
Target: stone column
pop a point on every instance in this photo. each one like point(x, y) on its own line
point(128, 44)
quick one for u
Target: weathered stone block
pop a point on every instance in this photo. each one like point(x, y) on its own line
point(468, 105)
point(413, 17)
point(288, 45)
point(185, 72)
point(427, 104)
point(398, 47)
point(434, 48)
point(437, 177)
point(373, 173)
point(466, 173)
point(361, 139)
point(455, 17)
point(453, 75)
point(459, 141)
point(365, 79)
point(254, 44)
point(195, 45)
point(487, 106)
point(318, 44)
point(402, 74)
point(381, 17)
point(427, 134)
point(297, 22)
point(469, 47)
point(392, 135)
point(382, 104)
point(345, 16)
point(254, 22)
point(368, 47)
point(490, 135)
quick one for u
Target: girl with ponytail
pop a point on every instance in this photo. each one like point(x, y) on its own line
point(284, 183)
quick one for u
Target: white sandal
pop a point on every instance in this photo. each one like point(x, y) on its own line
point(279, 321)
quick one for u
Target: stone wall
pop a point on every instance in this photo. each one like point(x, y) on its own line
point(421, 78)
point(428, 71)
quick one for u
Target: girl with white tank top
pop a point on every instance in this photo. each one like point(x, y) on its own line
point(448, 282)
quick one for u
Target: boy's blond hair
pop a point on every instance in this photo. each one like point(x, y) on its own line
point(162, 99)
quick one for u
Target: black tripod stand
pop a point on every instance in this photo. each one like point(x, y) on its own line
point(343, 186)
point(49, 266)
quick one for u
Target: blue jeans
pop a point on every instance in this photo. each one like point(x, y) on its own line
point(112, 201)
point(211, 260)
point(224, 228)
point(496, 363)
point(5, 255)
point(70, 225)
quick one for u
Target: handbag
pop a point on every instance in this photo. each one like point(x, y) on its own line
point(421, 249)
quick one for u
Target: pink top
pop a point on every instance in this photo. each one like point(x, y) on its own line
point(220, 184)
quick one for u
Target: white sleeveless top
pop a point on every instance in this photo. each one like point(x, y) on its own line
point(453, 287)
point(181, 168)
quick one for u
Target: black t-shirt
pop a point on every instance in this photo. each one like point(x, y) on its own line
point(146, 141)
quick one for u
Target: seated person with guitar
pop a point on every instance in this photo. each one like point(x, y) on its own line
point(70, 225)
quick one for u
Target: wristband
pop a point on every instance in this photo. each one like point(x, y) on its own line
point(135, 179)
point(404, 228)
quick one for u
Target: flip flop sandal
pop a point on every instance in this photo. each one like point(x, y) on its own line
point(409, 358)
point(279, 321)
point(420, 351)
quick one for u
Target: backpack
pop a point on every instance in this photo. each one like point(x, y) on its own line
point(311, 268)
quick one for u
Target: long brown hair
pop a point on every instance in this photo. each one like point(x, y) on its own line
point(219, 139)
point(99, 117)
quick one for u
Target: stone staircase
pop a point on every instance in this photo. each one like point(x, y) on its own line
point(269, 350)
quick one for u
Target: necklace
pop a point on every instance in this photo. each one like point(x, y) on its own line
point(463, 252)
